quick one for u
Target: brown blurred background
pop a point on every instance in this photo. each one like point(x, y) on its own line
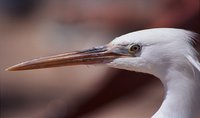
point(35, 28)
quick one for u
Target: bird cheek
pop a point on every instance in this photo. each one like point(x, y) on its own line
point(127, 63)
point(119, 63)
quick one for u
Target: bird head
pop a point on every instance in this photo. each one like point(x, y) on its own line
point(150, 51)
point(155, 51)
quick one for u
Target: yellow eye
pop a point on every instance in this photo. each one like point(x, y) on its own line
point(134, 48)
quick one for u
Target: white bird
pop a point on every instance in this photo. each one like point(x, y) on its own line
point(166, 53)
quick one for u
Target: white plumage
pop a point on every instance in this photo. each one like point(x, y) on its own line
point(160, 46)
point(167, 53)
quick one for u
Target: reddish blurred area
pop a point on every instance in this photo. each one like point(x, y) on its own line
point(34, 28)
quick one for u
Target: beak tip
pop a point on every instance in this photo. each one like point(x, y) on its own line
point(8, 69)
point(12, 68)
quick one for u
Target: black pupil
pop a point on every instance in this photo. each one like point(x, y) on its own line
point(134, 48)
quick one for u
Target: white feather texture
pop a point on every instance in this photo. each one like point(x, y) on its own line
point(168, 54)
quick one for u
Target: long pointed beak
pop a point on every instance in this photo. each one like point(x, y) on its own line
point(95, 55)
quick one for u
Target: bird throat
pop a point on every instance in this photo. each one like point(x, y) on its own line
point(182, 97)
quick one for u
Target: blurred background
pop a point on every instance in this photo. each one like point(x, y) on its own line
point(35, 28)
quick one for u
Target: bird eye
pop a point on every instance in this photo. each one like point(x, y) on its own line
point(134, 48)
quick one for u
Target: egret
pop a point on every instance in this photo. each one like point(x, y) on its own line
point(166, 53)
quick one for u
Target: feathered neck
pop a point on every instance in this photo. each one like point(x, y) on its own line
point(182, 95)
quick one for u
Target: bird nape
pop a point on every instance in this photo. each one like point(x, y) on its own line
point(167, 53)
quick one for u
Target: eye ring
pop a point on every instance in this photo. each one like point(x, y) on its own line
point(134, 48)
